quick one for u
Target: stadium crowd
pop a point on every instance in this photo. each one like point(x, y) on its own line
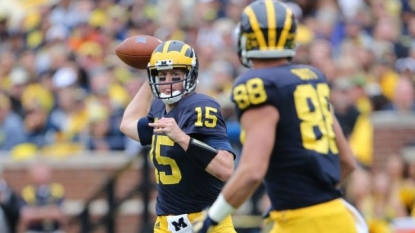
point(63, 90)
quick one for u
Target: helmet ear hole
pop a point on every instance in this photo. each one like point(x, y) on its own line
point(154, 72)
point(242, 52)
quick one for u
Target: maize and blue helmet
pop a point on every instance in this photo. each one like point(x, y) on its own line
point(267, 30)
point(169, 55)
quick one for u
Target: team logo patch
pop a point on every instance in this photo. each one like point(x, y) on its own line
point(179, 224)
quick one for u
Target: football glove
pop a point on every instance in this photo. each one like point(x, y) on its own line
point(204, 224)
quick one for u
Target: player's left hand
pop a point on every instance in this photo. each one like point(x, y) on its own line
point(204, 224)
point(169, 127)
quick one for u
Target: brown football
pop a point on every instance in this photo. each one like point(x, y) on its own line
point(136, 51)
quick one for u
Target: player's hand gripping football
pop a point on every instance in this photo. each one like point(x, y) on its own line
point(169, 127)
point(204, 224)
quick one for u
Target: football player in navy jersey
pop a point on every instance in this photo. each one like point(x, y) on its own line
point(191, 153)
point(292, 141)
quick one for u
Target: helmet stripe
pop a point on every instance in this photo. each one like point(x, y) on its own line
point(166, 46)
point(256, 28)
point(286, 29)
point(185, 49)
point(272, 24)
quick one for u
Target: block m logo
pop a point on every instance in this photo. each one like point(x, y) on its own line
point(180, 224)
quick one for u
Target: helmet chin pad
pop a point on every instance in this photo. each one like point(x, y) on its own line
point(171, 98)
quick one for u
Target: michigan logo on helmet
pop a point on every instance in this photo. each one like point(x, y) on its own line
point(267, 30)
point(170, 55)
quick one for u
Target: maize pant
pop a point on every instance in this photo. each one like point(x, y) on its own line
point(333, 216)
point(172, 224)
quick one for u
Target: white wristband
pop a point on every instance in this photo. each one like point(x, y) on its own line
point(220, 209)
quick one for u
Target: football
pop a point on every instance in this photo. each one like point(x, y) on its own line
point(136, 51)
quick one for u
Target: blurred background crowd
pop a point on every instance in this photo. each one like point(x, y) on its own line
point(63, 90)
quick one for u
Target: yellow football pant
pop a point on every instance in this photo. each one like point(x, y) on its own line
point(226, 226)
point(327, 217)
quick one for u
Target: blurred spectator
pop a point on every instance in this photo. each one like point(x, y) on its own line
point(358, 188)
point(71, 116)
point(105, 105)
point(388, 29)
point(37, 124)
point(116, 25)
point(383, 69)
point(407, 193)
point(320, 52)
point(27, 61)
point(42, 202)
point(406, 68)
point(11, 125)
point(3, 28)
point(395, 170)
point(70, 13)
point(9, 207)
point(377, 98)
point(102, 136)
point(90, 55)
point(207, 35)
point(359, 94)
point(352, 30)
point(7, 64)
point(19, 79)
point(384, 204)
point(368, 196)
point(107, 90)
point(344, 105)
point(355, 123)
point(404, 97)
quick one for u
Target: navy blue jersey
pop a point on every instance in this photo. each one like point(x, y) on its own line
point(304, 167)
point(183, 186)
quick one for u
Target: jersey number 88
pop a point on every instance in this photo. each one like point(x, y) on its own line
point(312, 108)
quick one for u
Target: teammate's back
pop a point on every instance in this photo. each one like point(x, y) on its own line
point(304, 165)
point(293, 142)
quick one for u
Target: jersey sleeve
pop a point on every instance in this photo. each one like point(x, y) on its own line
point(253, 92)
point(220, 144)
point(145, 132)
point(203, 117)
